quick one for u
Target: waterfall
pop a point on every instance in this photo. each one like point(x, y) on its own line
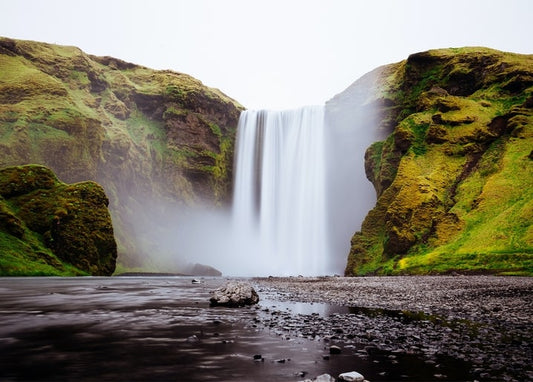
point(279, 211)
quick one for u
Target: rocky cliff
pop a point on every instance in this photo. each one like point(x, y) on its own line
point(454, 174)
point(151, 138)
point(51, 228)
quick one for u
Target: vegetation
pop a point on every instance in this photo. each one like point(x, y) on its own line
point(140, 133)
point(51, 228)
point(455, 177)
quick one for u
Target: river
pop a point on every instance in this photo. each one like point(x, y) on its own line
point(163, 329)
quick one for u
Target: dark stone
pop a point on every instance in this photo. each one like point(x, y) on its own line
point(334, 349)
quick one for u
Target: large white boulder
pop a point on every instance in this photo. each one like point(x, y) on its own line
point(234, 294)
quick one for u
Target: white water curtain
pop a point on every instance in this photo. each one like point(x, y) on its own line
point(279, 213)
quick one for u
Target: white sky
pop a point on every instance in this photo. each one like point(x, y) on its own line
point(275, 53)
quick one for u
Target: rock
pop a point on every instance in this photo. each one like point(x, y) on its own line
point(193, 338)
point(202, 270)
point(322, 378)
point(183, 155)
point(62, 223)
point(334, 349)
point(352, 376)
point(445, 114)
point(234, 294)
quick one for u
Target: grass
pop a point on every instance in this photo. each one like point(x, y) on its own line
point(30, 258)
point(508, 263)
point(87, 117)
point(482, 176)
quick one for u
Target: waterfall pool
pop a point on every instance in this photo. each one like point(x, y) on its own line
point(162, 328)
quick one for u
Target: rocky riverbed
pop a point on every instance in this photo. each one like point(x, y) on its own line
point(456, 327)
point(165, 329)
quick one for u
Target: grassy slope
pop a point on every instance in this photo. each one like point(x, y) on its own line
point(461, 186)
point(117, 123)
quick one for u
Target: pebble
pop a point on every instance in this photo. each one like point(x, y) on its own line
point(334, 349)
point(474, 320)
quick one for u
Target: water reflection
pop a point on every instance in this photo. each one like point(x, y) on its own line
point(304, 308)
point(162, 328)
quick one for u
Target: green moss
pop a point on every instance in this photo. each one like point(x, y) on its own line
point(123, 125)
point(52, 228)
point(30, 258)
point(454, 179)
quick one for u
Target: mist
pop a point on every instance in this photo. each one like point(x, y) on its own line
point(352, 125)
point(170, 236)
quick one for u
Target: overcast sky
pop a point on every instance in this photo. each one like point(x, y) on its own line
point(270, 54)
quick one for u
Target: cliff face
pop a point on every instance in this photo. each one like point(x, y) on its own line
point(454, 176)
point(147, 136)
point(52, 228)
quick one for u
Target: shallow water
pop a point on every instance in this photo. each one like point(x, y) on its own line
point(162, 328)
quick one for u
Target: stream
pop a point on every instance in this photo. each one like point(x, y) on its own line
point(162, 328)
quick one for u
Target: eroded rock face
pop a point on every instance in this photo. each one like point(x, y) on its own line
point(450, 176)
point(234, 294)
point(65, 222)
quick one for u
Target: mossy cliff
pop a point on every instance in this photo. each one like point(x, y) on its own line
point(454, 176)
point(145, 135)
point(51, 228)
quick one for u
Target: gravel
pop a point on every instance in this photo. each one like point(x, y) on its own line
point(481, 324)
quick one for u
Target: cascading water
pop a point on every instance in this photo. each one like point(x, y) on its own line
point(279, 210)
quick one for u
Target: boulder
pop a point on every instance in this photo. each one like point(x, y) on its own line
point(352, 376)
point(234, 294)
point(45, 221)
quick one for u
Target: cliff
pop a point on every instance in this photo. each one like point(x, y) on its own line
point(454, 173)
point(51, 228)
point(152, 139)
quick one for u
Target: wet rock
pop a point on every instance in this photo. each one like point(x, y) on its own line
point(234, 294)
point(321, 378)
point(334, 349)
point(352, 376)
point(193, 338)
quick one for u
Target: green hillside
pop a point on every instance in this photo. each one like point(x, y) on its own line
point(454, 177)
point(150, 138)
